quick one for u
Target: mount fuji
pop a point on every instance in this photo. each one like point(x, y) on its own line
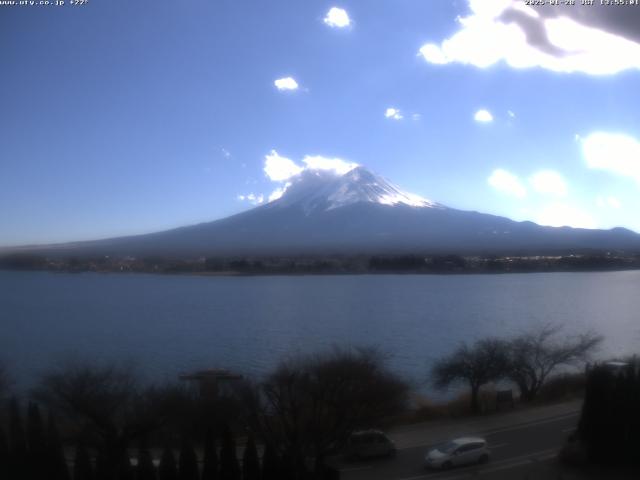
point(321, 212)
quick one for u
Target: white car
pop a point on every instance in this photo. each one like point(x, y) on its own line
point(461, 451)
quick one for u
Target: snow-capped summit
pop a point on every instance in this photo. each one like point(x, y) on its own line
point(322, 190)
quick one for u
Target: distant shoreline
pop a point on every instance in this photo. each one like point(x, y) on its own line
point(331, 265)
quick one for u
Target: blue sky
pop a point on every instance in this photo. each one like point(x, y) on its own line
point(121, 117)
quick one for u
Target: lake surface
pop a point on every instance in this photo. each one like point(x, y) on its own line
point(171, 324)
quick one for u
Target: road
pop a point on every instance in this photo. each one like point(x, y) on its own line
point(522, 450)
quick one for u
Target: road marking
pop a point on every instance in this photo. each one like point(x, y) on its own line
point(547, 457)
point(506, 466)
point(532, 424)
point(497, 445)
point(500, 430)
point(421, 425)
point(448, 475)
point(494, 467)
point(353, 469)
point(430, 444)
point(520, 460)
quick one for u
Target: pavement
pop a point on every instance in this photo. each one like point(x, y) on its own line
point(524, 444)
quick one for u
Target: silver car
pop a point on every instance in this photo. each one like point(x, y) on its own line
point(369, 443)
point(461, 451)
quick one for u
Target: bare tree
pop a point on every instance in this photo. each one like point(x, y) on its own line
point(109, 400)
point(483, 362)
point(311, 404)
point(533, 356)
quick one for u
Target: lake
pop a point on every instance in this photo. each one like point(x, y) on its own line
point(170, 324)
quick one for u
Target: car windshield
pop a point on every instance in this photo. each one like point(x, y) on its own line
point(448, 447)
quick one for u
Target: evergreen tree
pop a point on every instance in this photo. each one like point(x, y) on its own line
point(188, 461)
point(145, 470)
point(18, 461)
point(103, 472)
point(37, 443)
point(286, 467)
point(56, 463)
point(229, 468)
point(610, 424)
point(250, 461)
point(168, 469)
point(270, 464)
point(4, 455)
point(210, 467)
point(634, 416)
point(82, 468)
point(125, 470)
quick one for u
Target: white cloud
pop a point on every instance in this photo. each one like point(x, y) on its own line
point(225, 153)
point(393, 113)
point(278, 192)
point(280, 168)
point(337, 165)
point(286, 83)
point(563, 215)
point(511, 114)
point(549, 182)
point(416, 116)
point(252, 198)
point(483, 116)
point(337, 18)
point(611, 202)
point(507, 183)
point(524, 37)
point(433, 54)
point(613, 152)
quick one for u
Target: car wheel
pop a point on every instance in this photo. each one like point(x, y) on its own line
point(483, 459)
point(447, 466)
